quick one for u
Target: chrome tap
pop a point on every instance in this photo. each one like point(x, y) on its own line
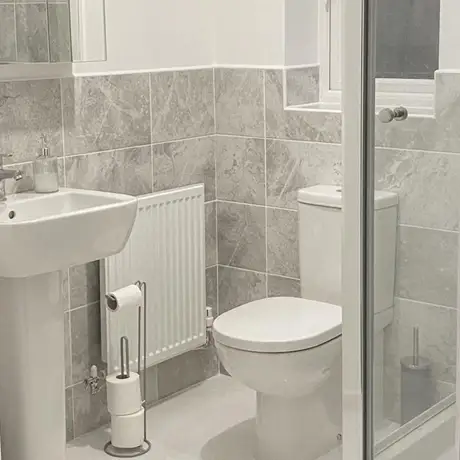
point(7, 174)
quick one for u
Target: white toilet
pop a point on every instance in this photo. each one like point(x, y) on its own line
point(289, 350)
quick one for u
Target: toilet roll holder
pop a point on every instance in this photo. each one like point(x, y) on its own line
point(109, 448)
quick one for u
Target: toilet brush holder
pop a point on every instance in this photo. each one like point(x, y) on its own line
point(132, 452)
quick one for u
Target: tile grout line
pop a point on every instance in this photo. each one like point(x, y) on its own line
point(264, 96)
point(259, 272)
point(64, 171)
point(152, 169)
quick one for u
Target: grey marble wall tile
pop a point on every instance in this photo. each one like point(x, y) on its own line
point(437, 343)
point(186, 370)
point(152, 385)
point(211, 233)
point(237, 287)
point(182, 163)
point(90, 410)
point(67, 350)
point(283, 287)
point(106, 113)
point(85, 324)
point(426, 268)
point(32, 32)
point(426, 183)
point(302, 85)
point(241, 236)
point(7, 34)
point(211, 289)
point(69, 414)
point(59, 32)
point(182, 104)
point(28, 110)
point(122, 171)
point(84, 284)
point(295, 165)
point(240, 102)
point(240, 169)
point(283, 243)
point(287, 124)
point(447, 100)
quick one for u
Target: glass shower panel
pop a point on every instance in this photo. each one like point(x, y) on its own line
point(414, 340)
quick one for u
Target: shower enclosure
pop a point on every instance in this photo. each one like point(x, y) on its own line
point(401, 118)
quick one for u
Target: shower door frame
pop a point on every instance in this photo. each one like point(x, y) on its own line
point(358, 108)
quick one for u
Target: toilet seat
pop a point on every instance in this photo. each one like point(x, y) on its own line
point(279, 325)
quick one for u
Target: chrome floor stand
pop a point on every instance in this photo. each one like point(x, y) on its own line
point(109, 448)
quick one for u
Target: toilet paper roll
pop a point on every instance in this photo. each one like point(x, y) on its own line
point(123, 395)
point(128, 430)
point(127, 297)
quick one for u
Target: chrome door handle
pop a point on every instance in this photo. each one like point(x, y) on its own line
point(387, 115)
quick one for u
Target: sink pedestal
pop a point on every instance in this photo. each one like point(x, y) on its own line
point(32, 395)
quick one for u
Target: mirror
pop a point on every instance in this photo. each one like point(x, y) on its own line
point(53, 31)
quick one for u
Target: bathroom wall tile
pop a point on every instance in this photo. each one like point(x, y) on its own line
point(122, 171)
point(302, 85)
point(283, 287)
point(182, 163)
point(295, 165)
point(69, 414)
point(211, 289)
point(65, 286)
point(32, 32)
point(152, 385)
point(239, 102)
point(211, 233)
point(28, 110)
point(283, 243)
point(447, 93)
point(182, 104)
point(67, 350)
point(237, 287)
point(59, 33)
point(186, 370)
point(85, 326)
point(7, 34)
point(90, 411)
point(240, 171)
point(426, 268)
point(84, 284)
point(286, 124)
point(241, 236)
point(426, 183)
point(106, 113)
point(437, 326)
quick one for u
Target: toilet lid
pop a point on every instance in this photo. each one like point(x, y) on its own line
point(279, 324)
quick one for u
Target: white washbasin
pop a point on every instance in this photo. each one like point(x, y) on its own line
point(42, 233)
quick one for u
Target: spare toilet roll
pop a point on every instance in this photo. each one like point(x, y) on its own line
point(127, 297)
point(123, 395)
point(128, 430)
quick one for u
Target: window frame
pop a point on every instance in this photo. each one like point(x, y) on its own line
point(418, 93)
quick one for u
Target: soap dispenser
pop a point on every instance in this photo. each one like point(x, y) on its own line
point(46, 171)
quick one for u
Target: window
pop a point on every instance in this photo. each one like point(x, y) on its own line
point(407, 50)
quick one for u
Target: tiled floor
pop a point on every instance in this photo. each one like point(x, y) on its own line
point(213, 421)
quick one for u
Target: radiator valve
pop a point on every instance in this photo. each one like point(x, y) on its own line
point(209, 318)
point(94, 382)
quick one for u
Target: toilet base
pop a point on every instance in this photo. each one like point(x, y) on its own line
point(293, 428)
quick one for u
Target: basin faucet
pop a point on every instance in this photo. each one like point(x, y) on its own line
point(7, 174)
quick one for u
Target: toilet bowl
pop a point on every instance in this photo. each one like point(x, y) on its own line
point(289, 351)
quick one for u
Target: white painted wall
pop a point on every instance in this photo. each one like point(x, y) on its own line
point(301, 26)
point(249, 32)
point(449, 37)
point(155, 34)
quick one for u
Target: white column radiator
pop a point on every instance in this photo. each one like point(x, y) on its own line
point(166, 250)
